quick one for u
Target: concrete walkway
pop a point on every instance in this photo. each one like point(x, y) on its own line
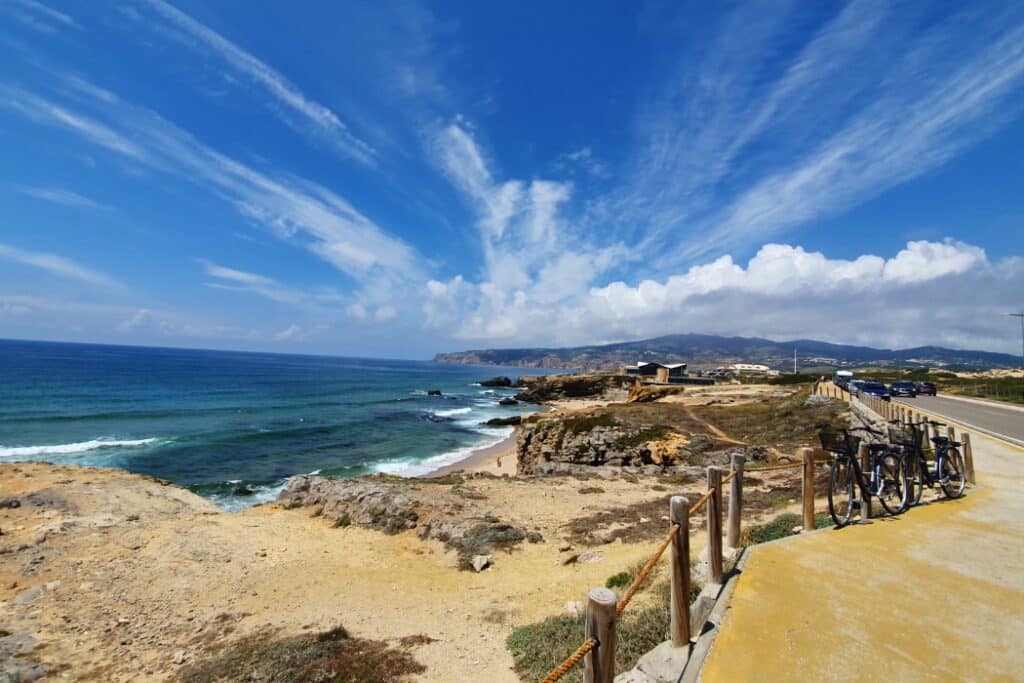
point(935, 594)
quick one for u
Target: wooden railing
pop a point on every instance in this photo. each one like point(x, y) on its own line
point(597, 652)
point(603, 607)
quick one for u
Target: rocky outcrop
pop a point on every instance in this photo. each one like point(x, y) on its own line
point(553, 387)
point(441, 511)
point(648, 393)
point(595, 444)
point(504, 421)
point(500, 381)
point(368, 502)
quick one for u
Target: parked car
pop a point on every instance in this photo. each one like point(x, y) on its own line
point(853, 386)
point(876, 389)
point(903, 389)
point(926, 388)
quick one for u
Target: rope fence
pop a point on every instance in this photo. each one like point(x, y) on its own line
point(603, 608)
point(570, 661)
point(645, 572)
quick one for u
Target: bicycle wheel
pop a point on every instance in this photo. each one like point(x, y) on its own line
point(952, 473)
point(840, 490)
point(916, 474)
point(891, 483)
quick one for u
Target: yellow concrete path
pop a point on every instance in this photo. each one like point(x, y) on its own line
point(935, 594)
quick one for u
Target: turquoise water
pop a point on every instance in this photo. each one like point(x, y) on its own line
point(234, 426)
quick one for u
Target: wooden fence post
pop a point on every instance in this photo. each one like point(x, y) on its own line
point(968, 457)
point(599, 663)
point(865, 467)
point(808, 456)
point(679, 513)
point(735, 501)
point(714, 514)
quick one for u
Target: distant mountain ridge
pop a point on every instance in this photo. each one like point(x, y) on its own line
point(705, 350)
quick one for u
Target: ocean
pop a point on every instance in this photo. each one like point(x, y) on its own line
point(234, 426)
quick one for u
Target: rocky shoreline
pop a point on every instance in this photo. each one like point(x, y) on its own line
point(106, 575)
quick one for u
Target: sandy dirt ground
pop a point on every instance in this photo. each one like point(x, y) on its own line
point(717, 394)
point(120, 578)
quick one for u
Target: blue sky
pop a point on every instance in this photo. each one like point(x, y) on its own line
point(396, 179)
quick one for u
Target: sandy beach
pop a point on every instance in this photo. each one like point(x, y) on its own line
point(498, 459)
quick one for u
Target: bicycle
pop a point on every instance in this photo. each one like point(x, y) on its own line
point(887, 481)
point(949, 471)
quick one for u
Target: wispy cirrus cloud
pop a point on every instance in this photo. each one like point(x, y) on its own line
point(56, 195)
point(740, 147)
point(39, 16)
point(294, 107)
point(57, 265)
point(235, 280)
point(292, 208)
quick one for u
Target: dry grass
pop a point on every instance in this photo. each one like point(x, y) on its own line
point(329, 657)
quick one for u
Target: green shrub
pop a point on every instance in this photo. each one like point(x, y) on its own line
point(343, 521)
point(620, 580)
point(780, 527)
point(586, 424)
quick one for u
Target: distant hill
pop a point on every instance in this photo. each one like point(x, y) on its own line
point(704, 350)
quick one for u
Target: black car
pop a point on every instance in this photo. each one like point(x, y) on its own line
point(926, 388)
point(903, 389)
point(876, 389)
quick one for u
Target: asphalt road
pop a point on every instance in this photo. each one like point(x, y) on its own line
point(1006, 422)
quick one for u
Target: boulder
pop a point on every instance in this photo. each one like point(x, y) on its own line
point(500, 381)
point(504, 421)
point(508, 402)
point(433, 392)
point(481, 562)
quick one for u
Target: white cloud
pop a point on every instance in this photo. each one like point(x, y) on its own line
point(57, 265)
point(584, 159)
point(924, 294)
point(56, 195)
point(291, 207)
point(233, 280)
point(41, 17)
point(290, 332)
point(739, 147)
point(532, 254)
point(294, 107)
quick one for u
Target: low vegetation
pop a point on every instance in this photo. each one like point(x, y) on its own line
point(539, 647)
point(783, 423)
point(329, 657)
point(780, 527)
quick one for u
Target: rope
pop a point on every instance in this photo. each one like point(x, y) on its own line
point(776, 467)
point(642, 576)
point(695, 508)
point(729, 477)
point(570, 661)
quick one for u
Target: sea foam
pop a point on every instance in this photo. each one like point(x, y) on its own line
point(71, 448)
point(452, 411)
